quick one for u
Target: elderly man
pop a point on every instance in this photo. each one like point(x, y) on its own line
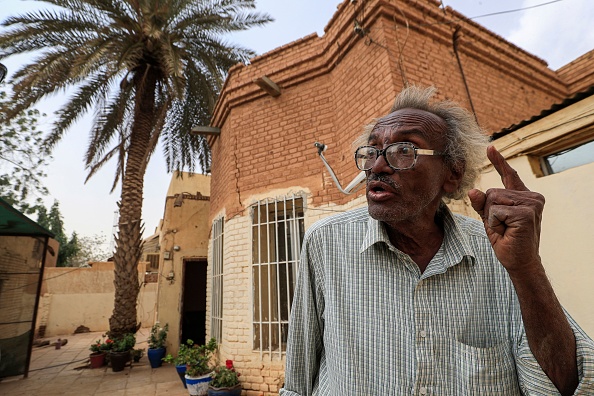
point(405, 298)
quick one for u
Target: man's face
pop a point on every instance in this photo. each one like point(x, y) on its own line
point(412, 194)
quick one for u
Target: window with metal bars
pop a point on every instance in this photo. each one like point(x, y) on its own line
point(277, 235)
point(216, 316)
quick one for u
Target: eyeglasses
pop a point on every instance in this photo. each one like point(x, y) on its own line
point(398, 156)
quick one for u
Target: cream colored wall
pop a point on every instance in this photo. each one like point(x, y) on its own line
point(185, 226)
point(566, 247)
point(189, 183)
point(72, 297)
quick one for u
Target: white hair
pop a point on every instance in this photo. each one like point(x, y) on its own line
point(466, 142)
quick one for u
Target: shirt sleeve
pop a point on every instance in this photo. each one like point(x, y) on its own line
point(306, 327)
point(533, 380)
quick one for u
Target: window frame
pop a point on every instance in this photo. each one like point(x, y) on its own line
point(217, 278)
point(280, 258)
point(545, 164)
point(557, 144)
point(151, 267)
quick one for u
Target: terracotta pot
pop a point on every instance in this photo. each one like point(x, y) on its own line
point(97, 359)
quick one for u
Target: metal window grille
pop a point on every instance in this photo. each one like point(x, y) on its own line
point(277, 235)
point(216, 317)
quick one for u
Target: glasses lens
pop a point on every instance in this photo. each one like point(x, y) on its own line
point(365, 157)
point(401, 155)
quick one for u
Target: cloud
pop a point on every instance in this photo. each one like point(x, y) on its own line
point(558, 32)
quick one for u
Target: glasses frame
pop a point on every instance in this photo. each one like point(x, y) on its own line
point(382, 152)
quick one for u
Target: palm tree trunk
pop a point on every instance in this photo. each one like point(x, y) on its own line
point(129, 242)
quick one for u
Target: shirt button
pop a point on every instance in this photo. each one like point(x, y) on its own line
point(423, 334)
point(423, 391)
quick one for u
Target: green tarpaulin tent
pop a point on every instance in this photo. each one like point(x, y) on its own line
point(23, 249)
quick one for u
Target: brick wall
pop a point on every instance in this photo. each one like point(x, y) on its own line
point(579, 74)
point(331, 87)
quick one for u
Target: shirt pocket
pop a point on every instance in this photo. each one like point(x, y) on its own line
point(488, 371)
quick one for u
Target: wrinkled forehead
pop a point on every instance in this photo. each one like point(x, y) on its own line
point(412, 121)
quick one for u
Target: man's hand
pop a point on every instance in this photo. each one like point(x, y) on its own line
point(512, 217)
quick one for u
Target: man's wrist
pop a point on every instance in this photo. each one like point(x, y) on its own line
point(526, 271)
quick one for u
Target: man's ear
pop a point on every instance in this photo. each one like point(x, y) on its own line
point(454, 177)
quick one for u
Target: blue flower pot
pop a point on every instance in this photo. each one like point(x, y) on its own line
point(181, 371)
point(232, 391)
point(155, 356)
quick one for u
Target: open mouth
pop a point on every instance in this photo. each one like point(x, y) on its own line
point(379, 186)
point(379, 191)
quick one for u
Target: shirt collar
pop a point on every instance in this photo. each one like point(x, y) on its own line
point(455, 246)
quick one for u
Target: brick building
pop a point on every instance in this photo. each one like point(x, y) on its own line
point(268, 184)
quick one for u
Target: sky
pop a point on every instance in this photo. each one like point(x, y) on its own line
point(558, 32)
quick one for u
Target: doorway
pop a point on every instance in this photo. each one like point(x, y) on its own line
point(194, 301)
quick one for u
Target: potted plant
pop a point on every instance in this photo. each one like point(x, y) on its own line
point(98, 351)
point(137, 354)
point(225, 381)
point(120, 351)
point(180, 361)
point(198, 370)
point(156, 344)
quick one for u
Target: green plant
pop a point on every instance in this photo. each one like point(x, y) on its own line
point(101, 346)
point(198, 358)
point(158, 336)
point(225, 376)
point(137, 354)
point(124, 343)
point(182, 355)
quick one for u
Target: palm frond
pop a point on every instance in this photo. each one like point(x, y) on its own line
point(114, 118)
point(102, 49)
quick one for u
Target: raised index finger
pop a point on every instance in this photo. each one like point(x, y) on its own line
point(510, 178)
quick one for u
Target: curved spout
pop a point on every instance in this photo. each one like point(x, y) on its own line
point(353, 185)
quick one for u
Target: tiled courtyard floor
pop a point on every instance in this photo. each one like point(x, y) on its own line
point(66, 372)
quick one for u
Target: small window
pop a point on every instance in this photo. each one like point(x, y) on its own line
point(569, 158)
point(153, 260)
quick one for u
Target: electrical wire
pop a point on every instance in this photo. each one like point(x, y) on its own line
point(515, 10)
point(46, 279)
point(402, 46)
point(492, 14)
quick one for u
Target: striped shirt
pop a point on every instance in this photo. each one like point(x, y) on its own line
point(365, 321)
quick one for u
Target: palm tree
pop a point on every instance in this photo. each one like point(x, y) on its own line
point(150, 70)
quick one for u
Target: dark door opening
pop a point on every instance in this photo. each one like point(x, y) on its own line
point(194, 302)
